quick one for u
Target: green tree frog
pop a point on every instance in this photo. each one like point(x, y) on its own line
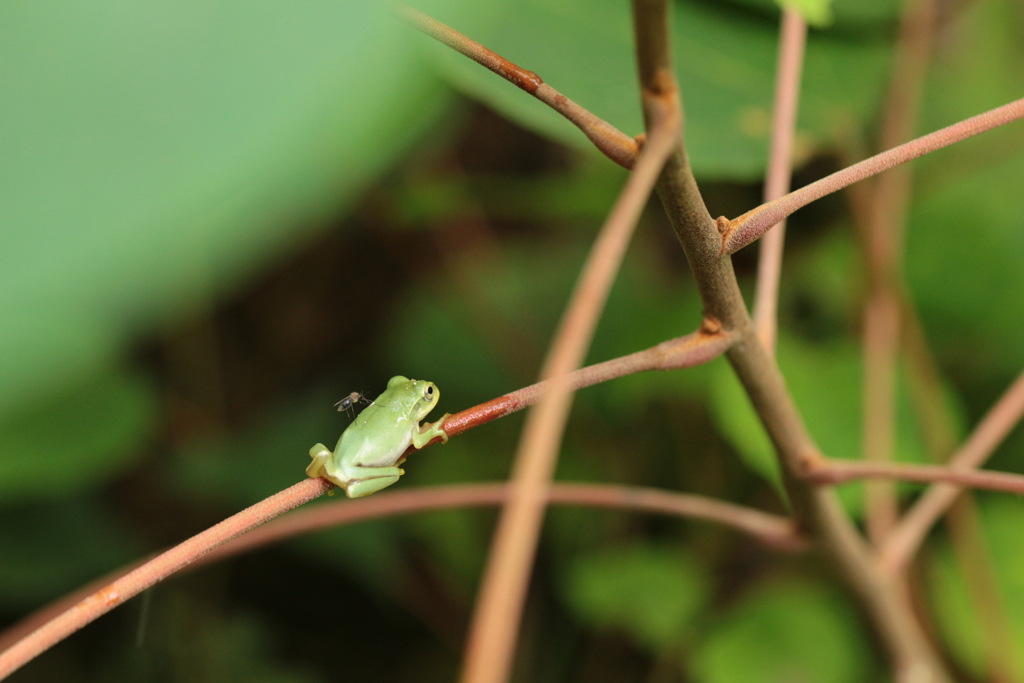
point(368, 453)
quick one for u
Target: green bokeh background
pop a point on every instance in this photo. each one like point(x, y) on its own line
point(217, 218)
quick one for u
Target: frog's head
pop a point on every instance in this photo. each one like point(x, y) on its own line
point(421, 396)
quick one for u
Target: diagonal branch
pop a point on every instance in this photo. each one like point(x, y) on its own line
point(908, 535)
point(495, 625)
point(792, 39)
point(612, 142)
point(699, 347)
point(693, 349)
point(745, 229)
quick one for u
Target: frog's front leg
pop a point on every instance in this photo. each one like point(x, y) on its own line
point(362, 481)
point(320, 456)
point(422, 436)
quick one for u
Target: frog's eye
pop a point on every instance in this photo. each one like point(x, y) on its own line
point(429, 393)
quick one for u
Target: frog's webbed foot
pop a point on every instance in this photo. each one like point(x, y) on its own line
point(428, 431)
point(320, 456)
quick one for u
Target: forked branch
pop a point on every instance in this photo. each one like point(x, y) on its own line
point(908, 535)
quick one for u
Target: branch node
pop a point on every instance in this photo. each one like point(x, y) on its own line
point(710, 326)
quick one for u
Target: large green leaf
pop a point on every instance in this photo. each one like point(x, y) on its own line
point(964, 252)
point(785, 633)
point(153, 152)
point(725, 58)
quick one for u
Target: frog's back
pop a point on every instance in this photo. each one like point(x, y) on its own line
point(373, 440)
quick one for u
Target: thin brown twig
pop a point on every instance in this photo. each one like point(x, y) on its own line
point(745, 229)
point(883, 231)
point(699, 347)
point(154, 571)
point(613, 143)
point(834, 471)
point(775, 531)
point(792, 39)
point(495, 625)
point(901, 545)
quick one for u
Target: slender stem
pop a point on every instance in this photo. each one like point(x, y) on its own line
point(165, 564)
point(745, 229)
point(495, 625)
point(883, 231)
point(792, 39)
point(881, 346)
point(613, 143)
point(775, 531)
point(906, 538)
point(709, 342)
point(839, 471)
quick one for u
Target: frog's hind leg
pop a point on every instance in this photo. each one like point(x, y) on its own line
point(371, 479)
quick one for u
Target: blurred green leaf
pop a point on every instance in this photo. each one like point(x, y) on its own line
point(151, 154)
point(650, 593)
point(725, 58)
point(954, 607)
point(974, 226)
point(53, 547)
point(791, 632)
point(77, 439)
point(186, 638)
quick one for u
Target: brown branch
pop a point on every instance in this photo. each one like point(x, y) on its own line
point(908, 535)
point(888, 606)
point(613, 143)
point(154, 571)
point(745, 229)
point(839, 471)
point(495, 625)
point(792, 38)
point(775, 531)
point(696, 348)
